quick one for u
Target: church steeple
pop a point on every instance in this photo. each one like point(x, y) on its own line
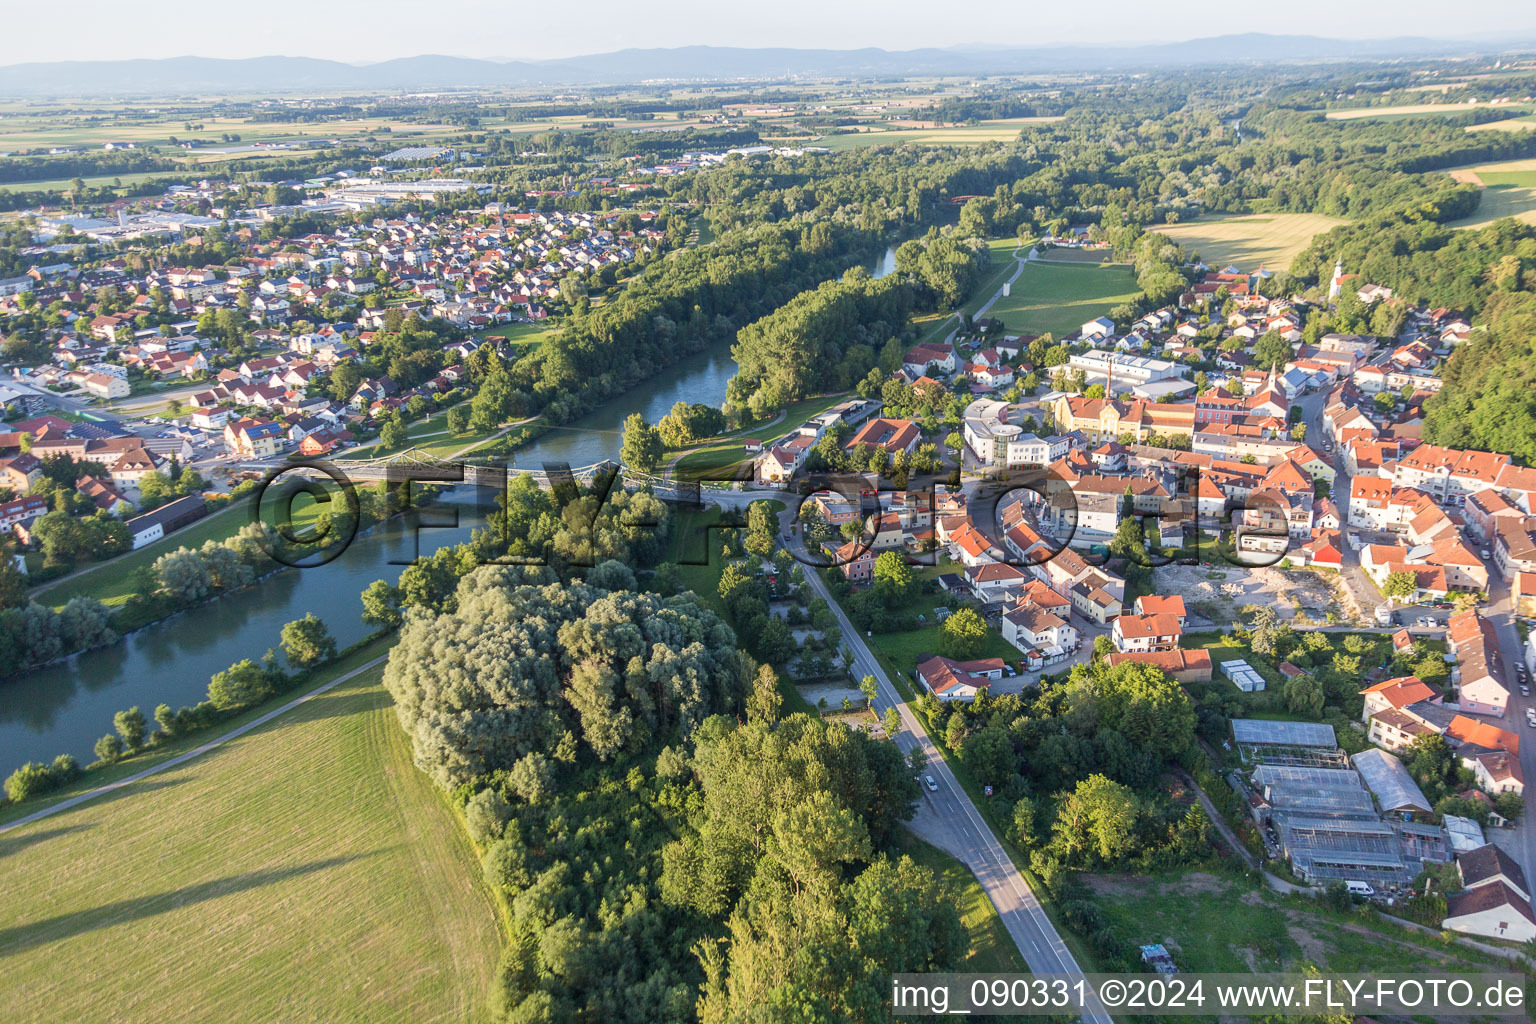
point(1337, 284)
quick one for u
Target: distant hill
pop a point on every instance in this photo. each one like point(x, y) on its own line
point(182, 75)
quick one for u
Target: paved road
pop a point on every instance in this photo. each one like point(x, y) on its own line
point(948, 819)
point(1520, 842)
point(981, 310)
point(180, 759)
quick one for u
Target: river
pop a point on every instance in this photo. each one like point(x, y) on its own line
point(599, 434)
point(66, 707)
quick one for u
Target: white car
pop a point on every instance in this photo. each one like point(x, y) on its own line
point(933, 787)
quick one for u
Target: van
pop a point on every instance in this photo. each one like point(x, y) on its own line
point(1383, 615)
point(1359, 889)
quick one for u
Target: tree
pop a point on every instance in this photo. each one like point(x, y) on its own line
point(1403, 583)
point(109, 748)
point(307, 641)
point(642, 448)
point(392, 432)
point(869, 688)
point(13, 585)
point(962, 634)
point(1272, 351)
point(458, 419)
point(131, 726)
point(381, 605)
point(1022, 828)
point(241, 685)
point(485, 816)
point(893, 577)
point(1096, 822)
point(764, 702)
point(892, 721)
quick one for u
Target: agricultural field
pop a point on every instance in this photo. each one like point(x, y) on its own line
point(1412, 110)
point(1268, 240)
point(310, 850)
point(1060, 297)
point(1509, 190)
point(1507, 172)
point(29, 130)
point(1511, 124)
point(955, 135)
point(1502, 201)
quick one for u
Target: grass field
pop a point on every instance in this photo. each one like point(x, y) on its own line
point(728, 456)
point(310, 850)
point(1222, 923)
point(1500, 201)
point(527, 335)
point(1061, 297)
point(111, 582)
point(1268, 240)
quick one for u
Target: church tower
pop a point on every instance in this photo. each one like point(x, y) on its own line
point(1337, 283)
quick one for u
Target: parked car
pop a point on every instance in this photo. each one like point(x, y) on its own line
point(1484, 553)
point(933, 787)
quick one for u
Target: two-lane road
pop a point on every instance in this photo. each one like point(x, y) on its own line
point(948, 819)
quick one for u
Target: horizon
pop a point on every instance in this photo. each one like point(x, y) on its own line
point(98, 34)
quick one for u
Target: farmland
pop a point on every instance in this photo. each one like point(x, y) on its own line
point(1060, 297)
point(310, 850)
point(951, 135)
point(1267, 240)
point(1509, 190)
point(1410, 110)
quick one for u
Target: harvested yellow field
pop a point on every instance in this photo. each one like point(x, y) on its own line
point(1409, 108)
point(1269, 240)
point(1511, 124)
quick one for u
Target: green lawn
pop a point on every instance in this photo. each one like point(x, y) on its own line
point(904, 648)
point(728, 457)
point(310, 852)
point(432, 429)
point(529, 336)
point(111, 582)
point(1226, 923)
point(1060, 298)
point(990, 949)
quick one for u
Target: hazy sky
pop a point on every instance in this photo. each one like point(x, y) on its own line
point(354, 30)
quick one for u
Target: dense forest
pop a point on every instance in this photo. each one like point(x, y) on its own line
point(667, 844)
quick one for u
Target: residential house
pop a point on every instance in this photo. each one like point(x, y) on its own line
point(948, 679)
